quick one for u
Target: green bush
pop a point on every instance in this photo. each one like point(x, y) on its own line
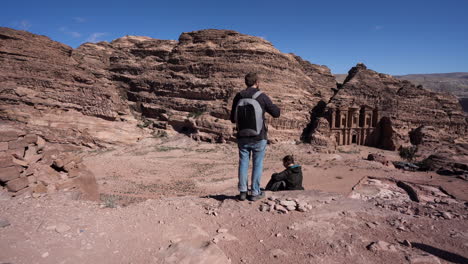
point(145, 123)
point(408, 153)
point(160, 134)
point(196, 114)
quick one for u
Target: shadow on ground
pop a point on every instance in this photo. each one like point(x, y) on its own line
point(440, 253)
point(222, 197)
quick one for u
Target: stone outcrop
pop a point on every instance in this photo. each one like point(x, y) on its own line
point(400, 106)
point(61, 93)
point(96, 93)
point(30, 164)
point(189, 85)
point(118, 92)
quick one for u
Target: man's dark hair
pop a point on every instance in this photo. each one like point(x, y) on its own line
point(251, 79)
point(289, 159)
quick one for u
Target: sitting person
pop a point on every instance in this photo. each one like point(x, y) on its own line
point(289, 179)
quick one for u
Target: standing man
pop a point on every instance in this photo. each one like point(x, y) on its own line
point(248, 112)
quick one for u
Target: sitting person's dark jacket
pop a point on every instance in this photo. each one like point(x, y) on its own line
point(289, 179)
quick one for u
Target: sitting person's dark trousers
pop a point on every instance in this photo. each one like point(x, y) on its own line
point(289, 179)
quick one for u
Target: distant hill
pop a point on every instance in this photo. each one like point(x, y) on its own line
point(340, 77)
point(455, 83)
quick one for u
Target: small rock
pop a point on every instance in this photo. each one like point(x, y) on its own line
point(51, 188)
point(45, 255)
point(31, 180)
point(381, 246)
point(276, 253)
point(40, 188)
point(22, 163)
point(58, 163)
point(264, 207)
point(63, 175)
point(301, 203)
point(40, 142)
point(4, 223)
point(447, 215)
point(226, 237)
point(272, 198)
point(291, 208)
point(222, 230)
point(61, 228)
point(371, 224)
point(278, 235)
point(287, 203)
point(281, 209)
point(174, 241)
point(401, 228)
point(407, 243)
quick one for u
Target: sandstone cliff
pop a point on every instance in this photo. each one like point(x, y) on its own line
point(63, 94)
point(184, 85)
point(121, 91)
point(400, 106)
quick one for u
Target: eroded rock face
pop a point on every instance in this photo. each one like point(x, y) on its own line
point(402, 107)
point(189, 85)
point(62, 92)
point(184, 85)
point(30, 165)
point(98, 93)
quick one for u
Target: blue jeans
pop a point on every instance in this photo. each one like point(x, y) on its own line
point(257, 148)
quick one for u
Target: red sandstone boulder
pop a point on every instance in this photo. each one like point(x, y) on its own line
point(17, 184)
point(9, 173)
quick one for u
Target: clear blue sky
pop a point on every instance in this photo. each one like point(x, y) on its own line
point(395, 37)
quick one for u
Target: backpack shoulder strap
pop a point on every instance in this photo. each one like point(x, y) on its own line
point(257, 94)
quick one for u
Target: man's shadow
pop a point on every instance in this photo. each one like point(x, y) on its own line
point(222, 197)
point(440, 253)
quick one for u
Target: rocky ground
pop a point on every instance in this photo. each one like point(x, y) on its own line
point(71, 192)
point(173, 200)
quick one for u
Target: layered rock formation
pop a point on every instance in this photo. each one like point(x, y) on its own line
point(62, 94)
point(184, 85)
point(455, 83)
point(189, 85)
point(399, 106)
point(114, 92)
point(29, 164)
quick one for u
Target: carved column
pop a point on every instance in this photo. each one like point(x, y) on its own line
point(333, 118)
